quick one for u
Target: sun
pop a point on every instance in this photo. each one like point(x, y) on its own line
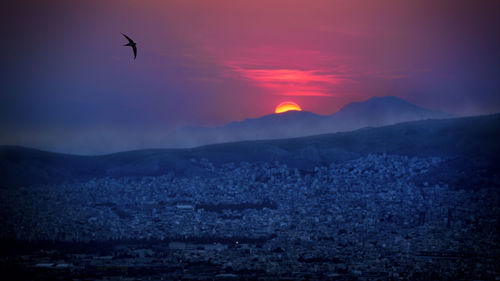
point(287, 106)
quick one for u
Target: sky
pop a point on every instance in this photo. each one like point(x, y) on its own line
point(68, 84)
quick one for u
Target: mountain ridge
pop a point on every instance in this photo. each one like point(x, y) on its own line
point(466, 138)
point(375, 111)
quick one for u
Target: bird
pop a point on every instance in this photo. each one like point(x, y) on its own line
point(132, 44)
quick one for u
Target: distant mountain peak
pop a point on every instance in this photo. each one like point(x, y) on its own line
point(373, 112)
point(385, 104)
point(383, 100)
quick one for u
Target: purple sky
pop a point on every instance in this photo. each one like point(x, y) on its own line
point(69, 85)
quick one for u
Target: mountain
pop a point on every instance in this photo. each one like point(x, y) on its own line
point(374, 112)
point(467, 141)
point(380, 111)
point(274, 126)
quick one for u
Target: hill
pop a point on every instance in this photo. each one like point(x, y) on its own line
point(472, 140)
point(374, 112)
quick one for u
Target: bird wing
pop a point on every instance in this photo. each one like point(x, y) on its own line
point(128, 38)
point(135, 51)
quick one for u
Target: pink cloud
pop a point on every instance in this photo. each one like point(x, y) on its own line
point(290, 82)
point(305, 93)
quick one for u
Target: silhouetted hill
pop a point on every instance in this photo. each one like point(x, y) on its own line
point(472, 139)
point(386, 110)
point(376, 111)
point(273, 126)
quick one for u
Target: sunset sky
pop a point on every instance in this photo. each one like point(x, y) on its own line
point(68, 83)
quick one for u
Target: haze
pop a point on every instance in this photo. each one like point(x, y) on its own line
point(69, 85)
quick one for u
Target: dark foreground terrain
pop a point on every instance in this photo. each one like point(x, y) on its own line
point(414, 201)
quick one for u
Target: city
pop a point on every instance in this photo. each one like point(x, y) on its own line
point(371, 218)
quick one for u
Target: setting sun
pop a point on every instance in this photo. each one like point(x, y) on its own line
point(287, 106)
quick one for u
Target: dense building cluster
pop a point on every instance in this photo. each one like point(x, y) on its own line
point(365, 219)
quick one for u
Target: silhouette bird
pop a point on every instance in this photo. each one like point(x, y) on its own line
point(132, 44)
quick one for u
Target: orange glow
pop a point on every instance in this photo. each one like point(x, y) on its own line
point(287, 106)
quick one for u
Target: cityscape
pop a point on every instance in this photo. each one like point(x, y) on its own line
point(371, 218)
point(297, 140)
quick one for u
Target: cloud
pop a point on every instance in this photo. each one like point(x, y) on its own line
point(306, 94)
point(291, 82)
